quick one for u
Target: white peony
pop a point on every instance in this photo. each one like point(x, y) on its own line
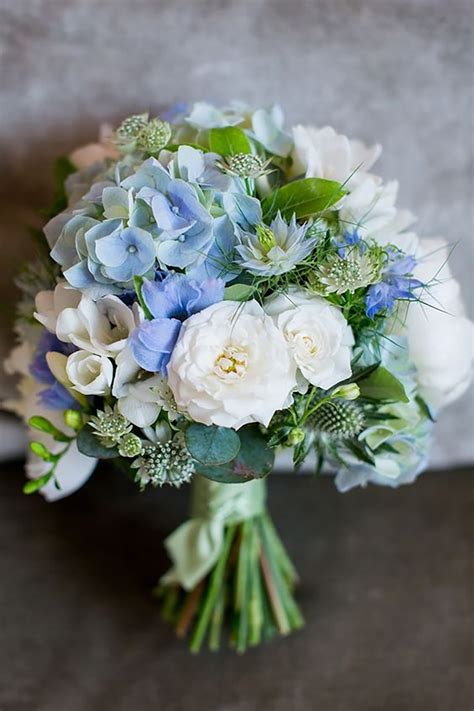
point(231, 366)
point(49, 304)
point(317, 333)
point(440, 339)
point(89, 374)
point(323, 153)
point(100, 327)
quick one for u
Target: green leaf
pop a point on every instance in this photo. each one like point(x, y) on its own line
point(228, 141)
point(382, 385)
point(254, 461)
point(43, 425)
point(360, 451)
point(212, 445)
point(304, 198)
point(239, 292)
point(34, 484)
point(90, 445)
point(425, 408)
point(62, 168)
point(138, 283)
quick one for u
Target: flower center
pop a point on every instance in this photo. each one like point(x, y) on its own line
point(309, 345)
point(131, 249)
point(231, 364)
point(265, 237)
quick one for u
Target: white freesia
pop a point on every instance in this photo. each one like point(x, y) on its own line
point(100, 327)
point(73, 469)
point(231, 366)
point(89, 374)
point(49, 304)
point(139, 400)
point(324, 153)
point(440, 339)
point(317, 333)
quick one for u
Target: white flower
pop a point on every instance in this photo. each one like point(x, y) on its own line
point(440, 339)
point(317, 334)
point(231, 366)
point(49, 304)
point(88, 373)
point(100, 327)
point(323, 153)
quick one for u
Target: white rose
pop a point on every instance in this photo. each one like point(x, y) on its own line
point(231, 366)
point(100, 327)
point(88, 373)
point(317, 333)
point(440, 339)
point(49, 304)
point(323, 153)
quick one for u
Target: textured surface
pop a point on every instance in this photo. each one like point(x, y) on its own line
point(386, 592)
point(395, 71)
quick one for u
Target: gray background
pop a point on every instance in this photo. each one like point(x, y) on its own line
point(394, 71)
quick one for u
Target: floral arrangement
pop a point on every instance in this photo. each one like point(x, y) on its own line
point(211, 289)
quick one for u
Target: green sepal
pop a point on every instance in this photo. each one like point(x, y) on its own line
point(304, 198)
point(228, 141)
point(89, 444)
point(212, 445)
point(382, 385)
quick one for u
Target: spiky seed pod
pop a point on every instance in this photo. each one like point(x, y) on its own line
point(154, 136)
point(164, 463)
point(339, 419)
point(245, 165)
point(131, 127)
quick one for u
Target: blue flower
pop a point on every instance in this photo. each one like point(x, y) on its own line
point(220, 259)
point(397, 283)
point(185, 225)
point(350, 239)
point(55, 396)
point(170, 302)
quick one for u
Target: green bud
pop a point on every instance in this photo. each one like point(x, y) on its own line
point(73, 419)
point(43, 425)
point(351, 391)
point(34, 484)
point(41, 451)
point(296, 436)
point(265, 237)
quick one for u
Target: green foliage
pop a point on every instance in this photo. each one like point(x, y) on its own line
point(304, 198)
point(239, 292)
point(382, 385)
point(89, 444)
point(138, 283)
point(254, 460)
point(212, 445)
point(228, 141)
point(62, 168)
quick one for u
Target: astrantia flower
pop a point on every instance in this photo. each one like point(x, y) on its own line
point(397, 283)
point(355, 269)
point(244, 165)
point(170, 302)
point(110, 426)
point(318, 335)
point(164, 463)
point(274, 249)
point(231, 366)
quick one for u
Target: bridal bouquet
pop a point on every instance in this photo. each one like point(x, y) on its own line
point(212, 289)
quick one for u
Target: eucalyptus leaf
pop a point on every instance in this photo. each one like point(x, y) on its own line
point(304, 198)
point(254, 461)
point(228, 141)
point(382, 385)
point(212, 445)
point(89, 444)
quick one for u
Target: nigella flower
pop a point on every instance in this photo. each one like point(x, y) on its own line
point(397, 283)
point(170, 302)
point(55, 396)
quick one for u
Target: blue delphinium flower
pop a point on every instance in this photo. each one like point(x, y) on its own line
point(55, 396)
point(397, 283)
point(170, 302)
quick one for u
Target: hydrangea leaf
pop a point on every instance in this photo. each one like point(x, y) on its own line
point(228, 141)
point(212, 445)
point(304, 198)
point(382, 385)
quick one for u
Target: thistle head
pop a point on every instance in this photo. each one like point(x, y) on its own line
point(339, 419)
point(154, 136)
point(131, 128)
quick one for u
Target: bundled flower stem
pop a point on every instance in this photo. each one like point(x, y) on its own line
point(250, 586)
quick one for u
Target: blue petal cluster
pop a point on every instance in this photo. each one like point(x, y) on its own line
point(170, 302)
point(397, 283)
point(55, 396)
